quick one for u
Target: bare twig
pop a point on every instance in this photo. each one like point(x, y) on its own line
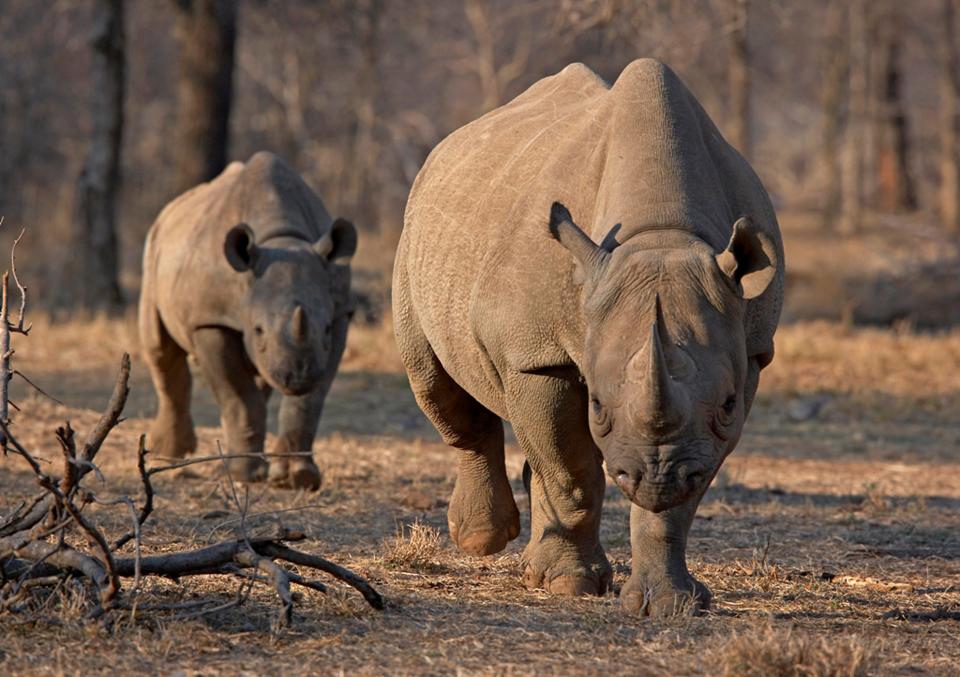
point(37, 388)
point(221, 457)
point(21, 316)
point(278, 576)
point(147, 507)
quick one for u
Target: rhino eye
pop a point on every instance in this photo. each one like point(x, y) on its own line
point(600, 416)
point(725, 414)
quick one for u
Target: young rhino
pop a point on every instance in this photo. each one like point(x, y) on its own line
point(249, 275)
point(635, 342)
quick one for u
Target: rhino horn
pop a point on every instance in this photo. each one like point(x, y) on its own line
point(663, 406)
point(299, 324)
point(323, 246)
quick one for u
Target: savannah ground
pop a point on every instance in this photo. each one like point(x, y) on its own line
point(831, 538)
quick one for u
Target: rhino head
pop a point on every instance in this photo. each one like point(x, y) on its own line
point(293, 296)
point(665, 358)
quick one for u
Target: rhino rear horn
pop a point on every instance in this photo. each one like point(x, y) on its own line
point(239, 248)
point(750, 259)
point(590, 257)
point(339, 244)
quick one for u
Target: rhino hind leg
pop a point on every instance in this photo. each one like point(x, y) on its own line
point(566, 485)
point(482, 516)
point(171, 434)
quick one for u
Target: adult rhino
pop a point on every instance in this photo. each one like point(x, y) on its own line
point(636, 340)
point(250, 275)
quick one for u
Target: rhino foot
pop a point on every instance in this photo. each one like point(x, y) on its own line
point(301, 475)
point(172, 440)
point(483, 522)
point(247, 469)
point(553, 569)
point(662, 597)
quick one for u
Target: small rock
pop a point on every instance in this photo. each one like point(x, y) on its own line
point(419, 500)
point(805, 409)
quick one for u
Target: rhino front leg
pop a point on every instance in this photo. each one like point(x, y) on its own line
point(299, 418)
point(661, 584)
point(564, 555)
point(242, 401)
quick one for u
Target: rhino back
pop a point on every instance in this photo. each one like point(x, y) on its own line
point(184, 261)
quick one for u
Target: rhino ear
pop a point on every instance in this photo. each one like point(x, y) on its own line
point(590, 257)
point(340, 244)
point(240, 248)
point(750, 259)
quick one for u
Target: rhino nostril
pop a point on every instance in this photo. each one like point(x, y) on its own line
point(627, 482)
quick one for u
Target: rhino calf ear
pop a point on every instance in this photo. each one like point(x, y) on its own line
point(340, 244)
point(589, 256)
point(750, 259)
point(344, 236)
point(240, 248)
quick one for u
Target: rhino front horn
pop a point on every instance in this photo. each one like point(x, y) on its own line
point(300, 328)
point(663, 406)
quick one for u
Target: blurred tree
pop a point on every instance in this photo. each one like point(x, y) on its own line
point(738, 78)
point(494, 77)
point(854, 162)
point(206, 32)
point(359, 179)
point(832, 91)
point(97, 259)
point(950, 117)
point(896, 190)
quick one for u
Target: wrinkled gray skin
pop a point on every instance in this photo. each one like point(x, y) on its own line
point(642, 352)
point(249, 275)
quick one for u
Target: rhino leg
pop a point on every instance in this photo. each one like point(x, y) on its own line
point(661, 584)
point(242, 402)
point(172, 434)
point(483, 516)
point(299, 417)
point(564, 555)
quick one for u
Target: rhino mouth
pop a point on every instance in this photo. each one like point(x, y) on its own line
point(294, 382)
point(658, 499)
point(649, 486)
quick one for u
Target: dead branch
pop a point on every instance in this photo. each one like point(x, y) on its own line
point(35, 552)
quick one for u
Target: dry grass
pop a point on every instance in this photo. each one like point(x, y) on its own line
point(769, 651)
point(416, 547)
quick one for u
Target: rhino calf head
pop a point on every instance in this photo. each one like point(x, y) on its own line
point(665, 352)
point(291, 302)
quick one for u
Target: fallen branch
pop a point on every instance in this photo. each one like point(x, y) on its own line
point(31, 561)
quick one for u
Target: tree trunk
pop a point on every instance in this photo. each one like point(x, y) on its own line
point(359, 191)
point(97, 256)
point(206, 35)
point(855, 138)
point(895, 183)
point(831, 102)
point(739, 80)
point(950, 119)
point(478, 15)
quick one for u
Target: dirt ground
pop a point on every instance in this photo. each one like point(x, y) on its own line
point(831, 539)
